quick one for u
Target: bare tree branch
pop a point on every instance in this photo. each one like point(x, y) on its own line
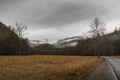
point(20, 29)
point(97, 27)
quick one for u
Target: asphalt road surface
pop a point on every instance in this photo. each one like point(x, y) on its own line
point(115, 63)
point(107, 70)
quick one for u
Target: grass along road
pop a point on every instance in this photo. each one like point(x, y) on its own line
point(45, 67)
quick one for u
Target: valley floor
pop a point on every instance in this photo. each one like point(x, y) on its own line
point(45, 67)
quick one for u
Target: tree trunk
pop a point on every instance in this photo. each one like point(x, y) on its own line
point(98, 55)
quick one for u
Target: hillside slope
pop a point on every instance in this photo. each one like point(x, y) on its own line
point(9, 41)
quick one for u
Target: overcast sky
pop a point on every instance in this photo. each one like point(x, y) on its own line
point(56, 19)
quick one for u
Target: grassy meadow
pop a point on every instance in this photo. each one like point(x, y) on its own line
point(45, 67)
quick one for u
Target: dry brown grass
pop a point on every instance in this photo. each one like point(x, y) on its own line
point(45, 67)
point(115, 56)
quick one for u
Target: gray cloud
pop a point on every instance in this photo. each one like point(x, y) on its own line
point(49, 15)
point(62, 13)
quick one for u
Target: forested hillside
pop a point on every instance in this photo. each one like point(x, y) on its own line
point(108, 44)
point(10, 43)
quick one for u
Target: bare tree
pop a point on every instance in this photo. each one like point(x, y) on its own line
point(97, 27)
point(20, 29)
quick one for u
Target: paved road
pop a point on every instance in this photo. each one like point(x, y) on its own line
point(108, 70)
point(115, 63)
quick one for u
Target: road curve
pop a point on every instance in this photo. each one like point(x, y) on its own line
point(115, 63)
point(109, 69)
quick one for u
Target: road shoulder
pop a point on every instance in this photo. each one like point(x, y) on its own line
point(102, 72)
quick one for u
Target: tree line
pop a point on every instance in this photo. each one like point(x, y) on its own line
point(97, 44)
point(12, 42)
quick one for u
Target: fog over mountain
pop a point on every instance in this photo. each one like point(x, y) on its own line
point(57, 19)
